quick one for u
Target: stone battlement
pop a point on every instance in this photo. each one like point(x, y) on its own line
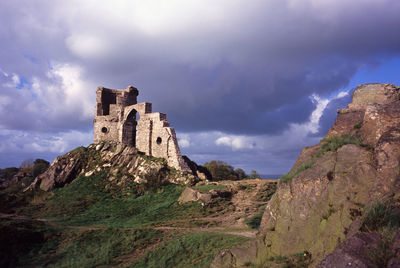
point(120, 118)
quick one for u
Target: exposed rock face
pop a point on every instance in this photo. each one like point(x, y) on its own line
point(322, 205)
point(364, 250)
point(118, 160)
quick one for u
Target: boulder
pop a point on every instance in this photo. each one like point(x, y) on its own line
point(190, 194)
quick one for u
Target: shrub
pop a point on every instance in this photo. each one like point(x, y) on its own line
point(222, 171)
point(255, 221)
point(335, 142)
point(254, 175)
point(40, 166)
point(289, 176)
point(266, 192)
point(380, 215)
point(358, 125)
point(330, 144)
point(8, 173)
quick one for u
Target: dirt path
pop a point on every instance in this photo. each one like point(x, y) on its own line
point(245, 232)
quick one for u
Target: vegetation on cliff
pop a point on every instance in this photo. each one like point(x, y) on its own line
point(328, 144)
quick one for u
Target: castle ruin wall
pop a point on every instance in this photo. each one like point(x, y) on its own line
point(120, 118)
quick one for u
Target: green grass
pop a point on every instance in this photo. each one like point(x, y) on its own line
point(381, 255)
point(358, 125)
point(298, 260)
point(333, 143)
point(254, 222)
point(288, 177)
point(95, 201)
point(380, 215)
point(19, 237)
point(101, 247)
point(205, 188)
point(30, 243)
point(188, 250)
point(266, 192)
point(330, 144)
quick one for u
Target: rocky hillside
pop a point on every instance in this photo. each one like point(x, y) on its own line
point(341, 195)
point(120, 162)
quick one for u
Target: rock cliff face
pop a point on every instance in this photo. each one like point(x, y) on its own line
point(121, 162)
point(320, 204)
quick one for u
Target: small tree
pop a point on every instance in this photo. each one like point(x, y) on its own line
point(8, 173)
point(40, 166)
point(254, 175)
point(241, 174)
point(27, 163)
point(27, 166)
point(222, 171)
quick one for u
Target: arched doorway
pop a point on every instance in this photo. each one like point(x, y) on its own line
point(129, 128)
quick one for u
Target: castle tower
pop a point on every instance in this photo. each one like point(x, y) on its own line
point(109, 122)
point(116, 120)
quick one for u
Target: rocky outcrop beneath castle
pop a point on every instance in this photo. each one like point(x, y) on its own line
point(321, 203)
point(121, 162)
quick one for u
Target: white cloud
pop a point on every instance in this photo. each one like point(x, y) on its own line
point(15, 141)
point(13, 81)
point(183, 140)
point(87, 46)
point(64, 96)
point(342, 94)
point(235, 142)
point(4, 101)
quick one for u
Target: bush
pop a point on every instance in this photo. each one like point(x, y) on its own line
point(254, 175)
point(335, 142)
point(289, 176)
point(40, 166)
point(222, 171)
point(8, 173)
point(380, 215)
point(358, 125)
point(330, 144)
point(255, 221)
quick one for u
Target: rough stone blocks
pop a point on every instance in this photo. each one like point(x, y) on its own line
point(116, 120)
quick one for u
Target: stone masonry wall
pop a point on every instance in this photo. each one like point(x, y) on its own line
point(116, 120)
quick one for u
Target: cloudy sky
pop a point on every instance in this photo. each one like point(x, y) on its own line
point(246, 82)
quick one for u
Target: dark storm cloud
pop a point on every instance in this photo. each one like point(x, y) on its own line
point(234, 66)
point(249, 72)
point(269, 56)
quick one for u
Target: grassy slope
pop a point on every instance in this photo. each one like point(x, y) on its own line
point(94, 201)
point(109, 223)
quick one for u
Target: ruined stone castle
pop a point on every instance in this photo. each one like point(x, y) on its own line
point(120, 118)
